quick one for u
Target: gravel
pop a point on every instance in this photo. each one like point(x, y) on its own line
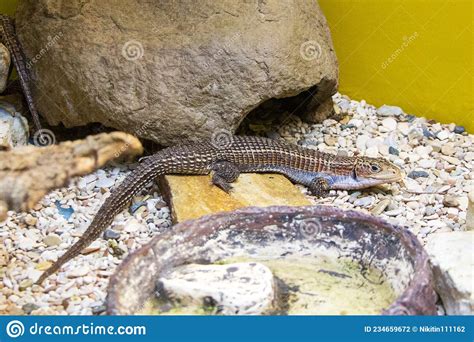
point(437, 158)
point(30, 242)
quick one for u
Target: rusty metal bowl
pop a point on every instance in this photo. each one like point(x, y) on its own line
point(371, 241)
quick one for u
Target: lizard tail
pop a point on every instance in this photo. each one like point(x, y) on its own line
point(113, 205)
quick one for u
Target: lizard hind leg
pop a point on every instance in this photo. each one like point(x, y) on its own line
point(319, 187)
point(223, 173)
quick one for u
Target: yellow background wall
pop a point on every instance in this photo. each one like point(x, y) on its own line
point(416, 54)
point(7, 6)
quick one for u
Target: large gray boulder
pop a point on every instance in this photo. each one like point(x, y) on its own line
point(167, 70)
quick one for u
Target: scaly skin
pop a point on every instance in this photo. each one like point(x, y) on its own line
point(8, 37)
point(319, 171)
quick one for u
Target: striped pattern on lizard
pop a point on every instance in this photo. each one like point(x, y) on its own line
point(320, 172)
point(9, 39)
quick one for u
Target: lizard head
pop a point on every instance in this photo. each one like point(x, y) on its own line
point(374, 171)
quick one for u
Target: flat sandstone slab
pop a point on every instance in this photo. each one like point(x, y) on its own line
point(191, 197)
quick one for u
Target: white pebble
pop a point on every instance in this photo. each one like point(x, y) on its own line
point(390, 124)
point(78, 272)
point(372, 152)
point(133, 226)
point(364, 201)
point(361, 142)
point(442, 135)
point(104, 182)
point(387, 110)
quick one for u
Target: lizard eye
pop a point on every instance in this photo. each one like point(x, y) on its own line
point(375, 168)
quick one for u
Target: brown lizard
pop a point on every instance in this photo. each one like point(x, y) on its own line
point(320, 172)
point(8, 37)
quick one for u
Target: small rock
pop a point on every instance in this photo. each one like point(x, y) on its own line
point(78, 272)
point(132, 226)
point(14, 310)
point(453, 266)
point(404, 128)
point(111, 234)
point(442, 135)
point(427, 163)
point(29, 307)
point(394, 212)
point(390, 124)
point(427, 133)
point(30, 220)
point(345, 105)
point(469, 156)
point(361, 142)
point(378, 141)
point(356, 122)
point(450, 201)
point(364, 201)
point(49, 255)
point(383, 149)
point(372, 152)
point(436, 145)
point(105, 182)
point(423, 151)
point(413, 186)
point(87, 182)
point(392, 150)
point(24, 284)
point(330, 140)
point(380, 207)
point(43, 266)
point(346, 126)
point(436, 224)
point(52, 240)
point(387, 110)
point(451, 160)
point(93, 247)
point(25, 243)
point(417, 174)
point(64, 211)
point(448, 150)
point(273, 135)
point(413, 205)
point(459, 129)
point(453, 211)
point(97, 310)
point(135, 206)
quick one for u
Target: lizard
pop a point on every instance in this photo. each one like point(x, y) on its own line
point(319, 171)
point(8, 37)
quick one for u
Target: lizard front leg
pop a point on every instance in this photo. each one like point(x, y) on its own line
point(319, 187)
point(223, 173)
